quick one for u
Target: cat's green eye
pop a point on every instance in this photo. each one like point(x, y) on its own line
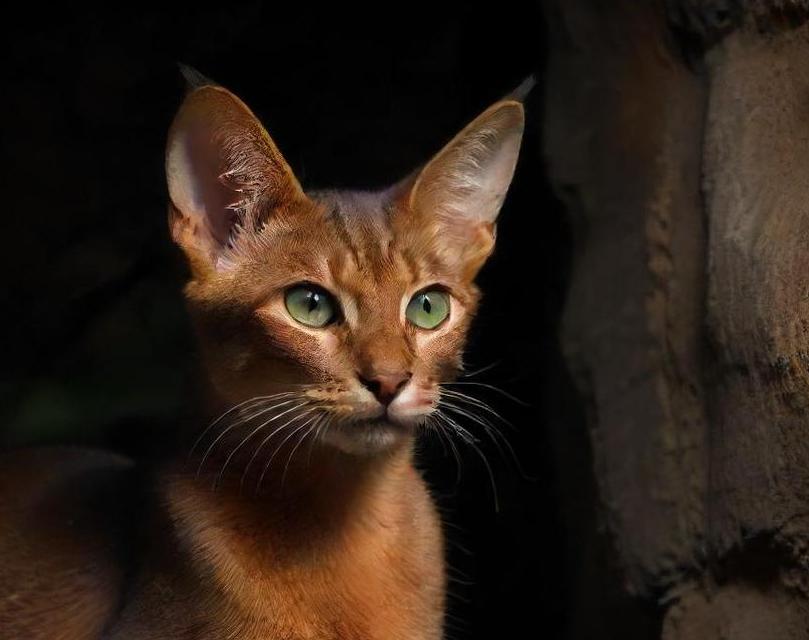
point(428, 309)
point(310, 305)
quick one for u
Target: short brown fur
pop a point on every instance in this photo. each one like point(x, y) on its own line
point(325, 529)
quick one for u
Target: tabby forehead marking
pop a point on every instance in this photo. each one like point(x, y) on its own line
point(366, 258)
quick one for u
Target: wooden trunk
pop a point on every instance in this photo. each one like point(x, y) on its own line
point(677, 135)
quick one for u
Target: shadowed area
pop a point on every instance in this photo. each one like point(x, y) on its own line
point(97, 346)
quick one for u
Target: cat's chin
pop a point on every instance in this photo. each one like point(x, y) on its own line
point(368, 437)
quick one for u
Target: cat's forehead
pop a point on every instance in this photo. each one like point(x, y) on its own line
point(353, 203)
point(357, 217)
point(361, 242)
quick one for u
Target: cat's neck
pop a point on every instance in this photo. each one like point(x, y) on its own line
point(315, 513)
point(336, 541)
point(319, 489)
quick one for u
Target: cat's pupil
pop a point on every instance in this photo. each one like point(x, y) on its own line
point(427, 306)
point(314, 300)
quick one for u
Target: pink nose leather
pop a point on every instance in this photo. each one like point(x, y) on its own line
point(385, 386)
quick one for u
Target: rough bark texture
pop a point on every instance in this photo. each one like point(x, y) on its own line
point(623, 131)
point(757, 188)
point(677, 134)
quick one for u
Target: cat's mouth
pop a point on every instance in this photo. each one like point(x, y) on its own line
point(365, 426)
point(368, 435)
point(391, 417)
point(386, 421)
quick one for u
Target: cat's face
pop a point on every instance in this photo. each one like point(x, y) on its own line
point(348, 308)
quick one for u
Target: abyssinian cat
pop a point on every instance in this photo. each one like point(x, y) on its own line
point(328, 322)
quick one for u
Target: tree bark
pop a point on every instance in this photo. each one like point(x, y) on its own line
point(677, 135)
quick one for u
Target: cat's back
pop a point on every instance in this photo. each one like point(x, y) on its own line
point(65, 523)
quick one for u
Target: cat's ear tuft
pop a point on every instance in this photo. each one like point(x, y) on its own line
point(466, 182)
point(193, 78)
point(521, 93)
point(224, 173)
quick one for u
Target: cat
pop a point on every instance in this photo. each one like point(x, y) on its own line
point(327, 323)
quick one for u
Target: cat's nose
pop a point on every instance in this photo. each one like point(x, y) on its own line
point(385, 386)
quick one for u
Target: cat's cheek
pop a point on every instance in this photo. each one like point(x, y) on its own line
point(445, 344)
point(329, 344)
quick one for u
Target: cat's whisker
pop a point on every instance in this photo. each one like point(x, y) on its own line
point(275, 452)
point(304, 385)
point(491, 387)
point(494, 433)
point(450, 629)
point(437, 427)
point(470, 440)
point(491, 430)
point(475, 402)
point(251, 401)
point(297, 445)
point(240, 421)
point(238, 447)
point(457, 596)
point(488, 367)
point(489, 470)
point(459, 623)
point(454, 427)
point(431, 428)
point(456, 575)
point(268, 438)
point(458, 460)
point(465, 434)
point(262, 407)
point(326, 420)
point(467, 414)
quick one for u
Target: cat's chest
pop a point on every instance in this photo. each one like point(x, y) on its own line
point(374, 597)
point(369, 592)
point(381, 578)
point(385, 615)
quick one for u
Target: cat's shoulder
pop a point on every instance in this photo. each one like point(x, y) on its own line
point(66, 517)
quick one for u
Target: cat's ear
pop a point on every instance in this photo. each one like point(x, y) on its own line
point(224, 172)
point(463, 187)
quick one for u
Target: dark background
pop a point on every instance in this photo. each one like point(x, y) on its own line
point(97, 347)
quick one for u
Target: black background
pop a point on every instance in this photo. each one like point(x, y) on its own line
point(97, 347)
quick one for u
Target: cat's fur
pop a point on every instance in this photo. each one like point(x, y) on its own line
point(337, 538)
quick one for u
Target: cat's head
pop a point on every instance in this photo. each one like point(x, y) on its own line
point(347, 309)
